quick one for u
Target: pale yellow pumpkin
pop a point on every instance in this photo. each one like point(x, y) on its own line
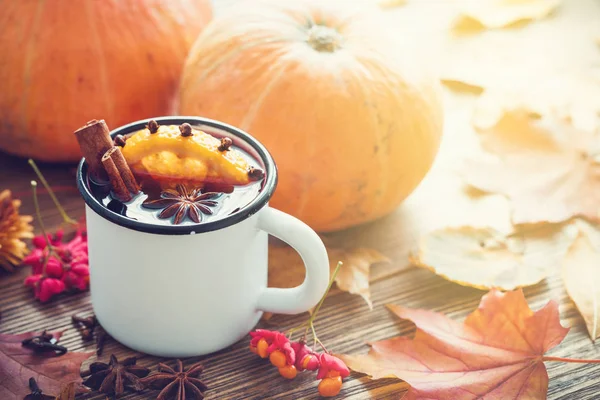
point(351, 117)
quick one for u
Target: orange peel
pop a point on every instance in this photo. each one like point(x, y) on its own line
point(169, 158)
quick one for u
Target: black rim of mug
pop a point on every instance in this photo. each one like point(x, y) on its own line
point(269, 184)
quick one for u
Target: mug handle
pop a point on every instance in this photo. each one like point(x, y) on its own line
point(312, 250)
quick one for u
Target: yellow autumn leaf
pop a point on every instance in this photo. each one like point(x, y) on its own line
point(492, 14)
point(287, 270)
point(581, 275)
point(391, 3)
point(574, 99)
point(485, 258)
point(548, 169)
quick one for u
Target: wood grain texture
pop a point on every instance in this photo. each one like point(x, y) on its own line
point(345, 322)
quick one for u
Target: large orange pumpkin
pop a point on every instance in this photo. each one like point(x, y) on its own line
point(65, 62)
point(351, 117)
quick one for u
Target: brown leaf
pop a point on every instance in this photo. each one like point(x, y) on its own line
point(548, 169)
point(498, 353)
point(493, 14)
point(18, 364)
point(581, 275)
point(68, 392)
point(287, 270)
point(485, 258)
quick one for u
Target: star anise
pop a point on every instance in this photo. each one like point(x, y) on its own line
point(177, 384)
point(114, 377)
point(182, 203)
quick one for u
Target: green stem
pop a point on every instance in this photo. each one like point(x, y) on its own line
point(60, 208)
point(309, 324)
point(335, 272)
point(38, 214)
point(570, 360)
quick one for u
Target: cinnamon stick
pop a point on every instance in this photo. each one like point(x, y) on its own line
point(94, 140)
point(121, 178)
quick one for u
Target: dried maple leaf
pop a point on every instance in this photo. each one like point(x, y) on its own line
point(287, 270)
point(498, 353)
point(391, 3)
point(18, 364)
point(485, 258)
point(575, 99)
point(478, 14)
point(549, 170)
point(581, 275)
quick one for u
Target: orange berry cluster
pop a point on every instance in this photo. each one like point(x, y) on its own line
point(293, 357)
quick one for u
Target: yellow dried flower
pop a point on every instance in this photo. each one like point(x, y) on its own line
point(13, 228)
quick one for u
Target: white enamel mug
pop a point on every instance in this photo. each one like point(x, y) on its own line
point(189, 290)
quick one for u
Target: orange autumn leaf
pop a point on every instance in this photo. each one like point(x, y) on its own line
point(287, 270)
point(548, 169)
point(497, 353)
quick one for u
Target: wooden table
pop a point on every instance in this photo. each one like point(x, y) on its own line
point(345, 322)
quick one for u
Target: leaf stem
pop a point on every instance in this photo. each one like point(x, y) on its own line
point(570, 360)
point(60, 208)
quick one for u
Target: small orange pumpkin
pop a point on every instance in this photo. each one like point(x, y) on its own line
point(352, 119)
point(65, 62)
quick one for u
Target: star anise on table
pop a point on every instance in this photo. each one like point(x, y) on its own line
point(113, 378)
point(181, 203)
point(177, 384)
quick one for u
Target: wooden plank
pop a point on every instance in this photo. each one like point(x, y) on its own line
point(345, 322)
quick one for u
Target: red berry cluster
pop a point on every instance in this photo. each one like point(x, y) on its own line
point(293, 357)
point(57, 266)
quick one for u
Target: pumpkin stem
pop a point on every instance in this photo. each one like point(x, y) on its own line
point(323, 38)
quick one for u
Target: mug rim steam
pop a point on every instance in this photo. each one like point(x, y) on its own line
point(245, 212)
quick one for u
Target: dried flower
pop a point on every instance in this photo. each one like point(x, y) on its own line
point(13, 228)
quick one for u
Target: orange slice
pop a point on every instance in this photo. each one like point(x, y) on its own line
point(170, 157)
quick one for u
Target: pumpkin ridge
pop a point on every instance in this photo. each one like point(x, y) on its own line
point(252, 112)
point(29, 57)
point(101, 61)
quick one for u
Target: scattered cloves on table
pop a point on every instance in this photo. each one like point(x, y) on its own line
point(44, 343)
point(90, 329)
point(36, 392)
